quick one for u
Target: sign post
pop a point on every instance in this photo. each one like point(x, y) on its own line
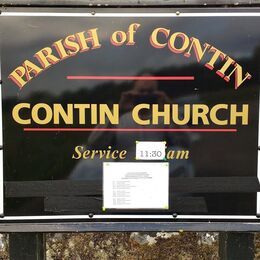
point(27, 246)
point(236, 246)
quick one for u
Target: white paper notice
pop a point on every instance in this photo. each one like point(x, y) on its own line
point(146, 150)
point(135, 185)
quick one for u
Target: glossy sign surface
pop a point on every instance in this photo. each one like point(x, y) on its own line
point(81, 90)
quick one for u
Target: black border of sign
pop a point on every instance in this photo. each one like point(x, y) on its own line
point(91, 223)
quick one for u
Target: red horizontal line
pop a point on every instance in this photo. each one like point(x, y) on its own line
point(132, 77)
point(130, 130)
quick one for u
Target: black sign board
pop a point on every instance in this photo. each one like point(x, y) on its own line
point(126, 113)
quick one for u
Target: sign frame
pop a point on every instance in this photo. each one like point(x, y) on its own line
point(151, 222)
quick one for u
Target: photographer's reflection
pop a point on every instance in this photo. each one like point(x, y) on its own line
point(143, 92)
